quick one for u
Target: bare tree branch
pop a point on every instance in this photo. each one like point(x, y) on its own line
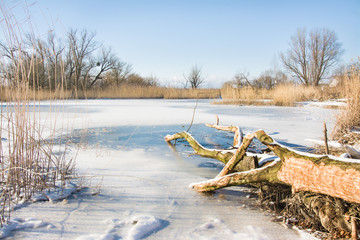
point(194, 77)
point(309, 58)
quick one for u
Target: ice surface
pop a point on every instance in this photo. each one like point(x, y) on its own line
point(17, 224)
point(329, 103)
point(55, 195)
point(141, 183)
point(136, 228)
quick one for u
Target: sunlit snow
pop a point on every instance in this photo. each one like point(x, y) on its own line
point(138, 184)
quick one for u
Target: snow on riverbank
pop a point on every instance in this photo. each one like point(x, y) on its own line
point(142, 183)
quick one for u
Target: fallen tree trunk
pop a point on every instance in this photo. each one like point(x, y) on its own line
point(316, 173)
point(310, 175)
point(302, 171)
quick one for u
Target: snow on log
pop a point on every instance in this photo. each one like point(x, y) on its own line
point(243, 164)
point(238, 156)
point(264, 174)
point(302, 171)
point(316, 173)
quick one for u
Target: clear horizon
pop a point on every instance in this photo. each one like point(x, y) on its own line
point(166, 38)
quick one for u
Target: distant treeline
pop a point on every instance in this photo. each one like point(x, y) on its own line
point(78, 62)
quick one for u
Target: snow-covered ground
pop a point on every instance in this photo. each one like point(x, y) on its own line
point(139, 184)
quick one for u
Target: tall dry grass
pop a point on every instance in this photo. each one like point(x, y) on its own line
point(138, 92)
point(6, 94)
point(117, 92)
point(289, 94)
point(245, 93)
point(349, 117)
point(281, 95)
point(28, 163)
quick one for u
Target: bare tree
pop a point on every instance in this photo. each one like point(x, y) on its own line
point(50, 63)
point(269, 78)
point(106, 61)
point(241, 80)
point(16, 63)
point(80, 48)
point(310, 57)
point(194, 77)
point(47, 65)
point(118, 75)
point(56, 65)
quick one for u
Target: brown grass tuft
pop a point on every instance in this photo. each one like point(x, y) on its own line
point(349, 117)
point(245, 93)
point(138, 92)
point(281, 95)
point(289, 94)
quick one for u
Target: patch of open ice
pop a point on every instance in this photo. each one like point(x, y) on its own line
point(19, 223)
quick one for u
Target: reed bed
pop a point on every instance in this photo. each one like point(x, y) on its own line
point(288, 95)
point(281, 95)
point(245, 93)
point(348, 120)
point(28, 163)
point(142, 92)
point(118, 92)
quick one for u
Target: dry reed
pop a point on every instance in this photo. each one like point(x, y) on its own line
point(28, 163)
point(117, 92)
point(349, 117)
point(137, 92)
point(245, 93)
point(281, 95)
point(289, 94)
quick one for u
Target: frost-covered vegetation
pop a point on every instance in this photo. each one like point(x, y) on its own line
point(30, 165)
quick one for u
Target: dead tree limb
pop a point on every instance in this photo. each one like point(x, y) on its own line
point(221, 155)
point(316, 173)
point(315, 177)
point(243, 163)
point(264, 174)
point(302, 171)
point(237, 157)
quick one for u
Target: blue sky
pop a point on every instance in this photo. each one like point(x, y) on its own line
point(166, 38)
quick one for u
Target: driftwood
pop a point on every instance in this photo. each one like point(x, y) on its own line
point(304, 172)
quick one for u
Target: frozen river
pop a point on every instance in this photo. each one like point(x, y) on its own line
point(142, 183)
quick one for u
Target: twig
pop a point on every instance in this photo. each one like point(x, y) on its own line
point(192, 120)
point(326, 139)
